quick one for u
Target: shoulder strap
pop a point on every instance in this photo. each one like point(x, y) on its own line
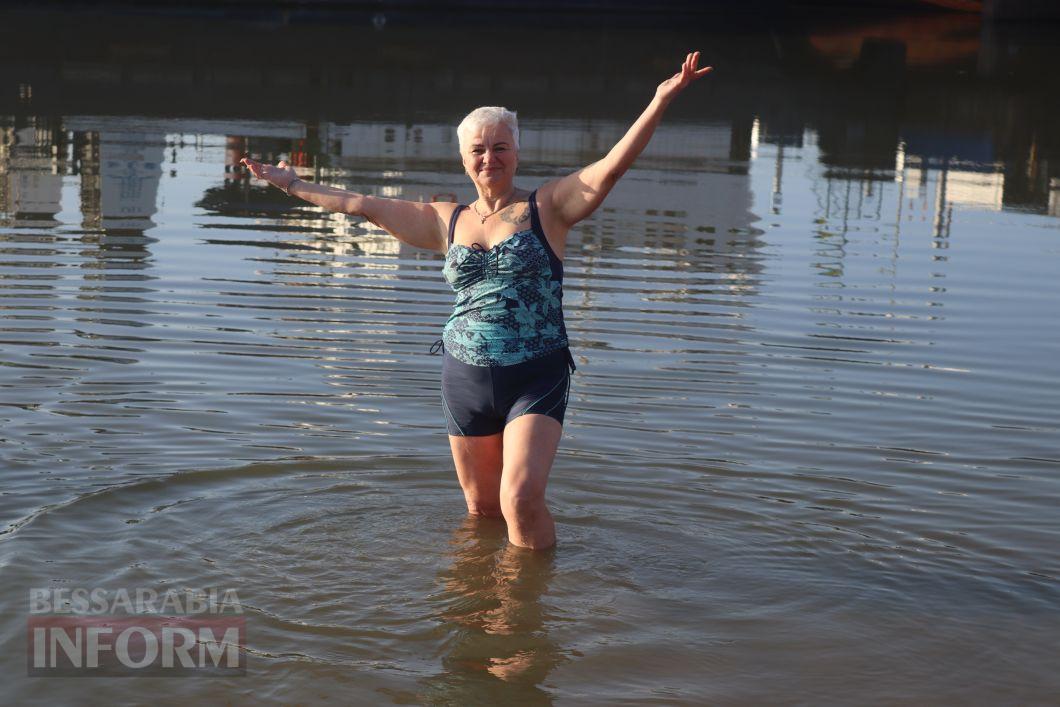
point(452, 222)
point(539, 231)
point(535, 220)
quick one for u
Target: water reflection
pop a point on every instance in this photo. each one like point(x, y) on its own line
point(881, 97)
point(812, 323)
point(498, 626)
point(30, 174)
point(120, 173)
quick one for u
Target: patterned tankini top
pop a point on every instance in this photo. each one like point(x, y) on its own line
point(509, 299)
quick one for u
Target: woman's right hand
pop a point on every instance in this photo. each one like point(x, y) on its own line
point(689, 72)
point(280, 175)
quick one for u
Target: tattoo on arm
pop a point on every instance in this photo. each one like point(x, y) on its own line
point(508, 215)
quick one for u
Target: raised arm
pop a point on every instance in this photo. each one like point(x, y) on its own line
point(576, 196)
point(419, 225)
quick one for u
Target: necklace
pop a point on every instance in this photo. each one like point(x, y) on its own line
point(483, 218)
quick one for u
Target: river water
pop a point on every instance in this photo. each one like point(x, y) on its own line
point(812, 451)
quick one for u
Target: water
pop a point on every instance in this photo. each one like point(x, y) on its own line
point(811, 454)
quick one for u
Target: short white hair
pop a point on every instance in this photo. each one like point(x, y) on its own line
point(487, 116)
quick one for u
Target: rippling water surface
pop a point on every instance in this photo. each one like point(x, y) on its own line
point(812, 450)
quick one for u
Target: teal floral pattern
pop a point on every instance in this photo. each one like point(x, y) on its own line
point(509, 302)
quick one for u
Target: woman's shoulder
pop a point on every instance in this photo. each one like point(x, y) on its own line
point(446, 209)
point(555, 230)
point(544, 191)
point(543, 196)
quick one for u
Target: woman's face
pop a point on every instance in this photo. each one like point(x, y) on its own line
point(490, 157)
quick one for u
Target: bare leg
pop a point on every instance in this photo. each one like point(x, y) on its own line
point(530, 443)
point(478, 467)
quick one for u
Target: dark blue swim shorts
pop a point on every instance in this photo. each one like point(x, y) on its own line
point(481, 400)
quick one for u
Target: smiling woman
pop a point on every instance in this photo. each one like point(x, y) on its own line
point(507, 362)
point(489, 146)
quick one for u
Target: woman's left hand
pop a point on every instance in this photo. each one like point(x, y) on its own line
point(281, 176)
point(672, 86)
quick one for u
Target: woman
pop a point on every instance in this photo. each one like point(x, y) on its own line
point(504, 375)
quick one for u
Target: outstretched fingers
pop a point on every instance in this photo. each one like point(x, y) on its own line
point(688, 73)
point(256, 168)
point(696, 73)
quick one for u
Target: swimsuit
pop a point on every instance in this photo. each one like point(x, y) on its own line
point(505, 345)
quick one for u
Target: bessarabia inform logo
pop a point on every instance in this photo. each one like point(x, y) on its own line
point(117, 633)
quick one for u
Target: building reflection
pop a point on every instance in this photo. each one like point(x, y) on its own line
point(684, 187)
point(944, 94)
point(32, 162)
point(120, 171)
point(120, 174)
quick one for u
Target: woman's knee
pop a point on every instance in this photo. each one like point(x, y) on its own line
point(484, 508)
point(521, 504)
